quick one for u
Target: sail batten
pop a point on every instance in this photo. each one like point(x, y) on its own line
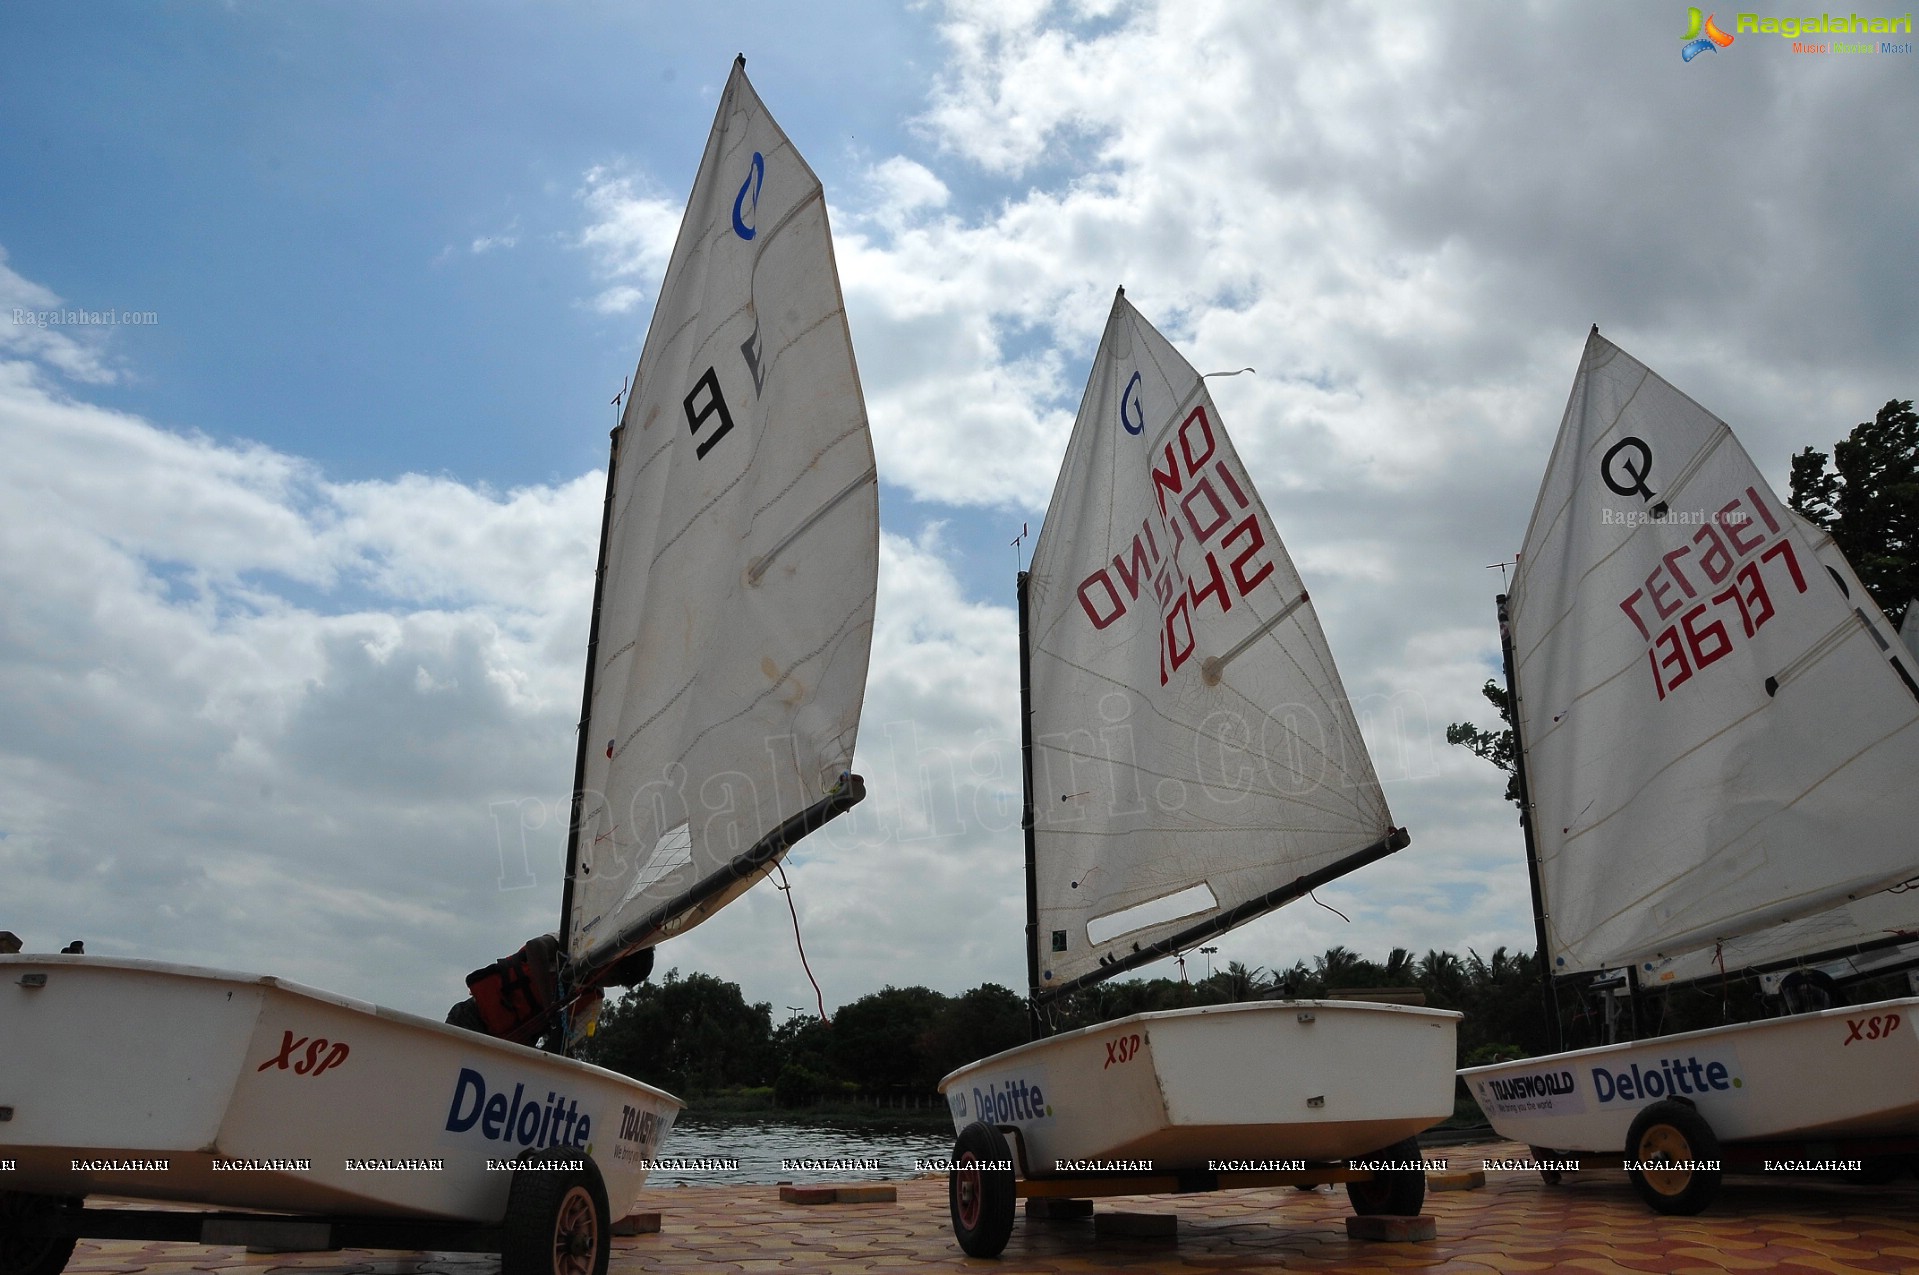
point(740, 560)
point(1716, 744)
point(1188, 728)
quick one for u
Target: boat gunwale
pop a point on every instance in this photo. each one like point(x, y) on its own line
point(1194, 1011)
point(1783, 1021)
point(271, 982)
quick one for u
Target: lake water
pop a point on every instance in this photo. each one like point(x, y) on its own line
point(778, 1151)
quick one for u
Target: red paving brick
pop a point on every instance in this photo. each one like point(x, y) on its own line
point(1593, 1223)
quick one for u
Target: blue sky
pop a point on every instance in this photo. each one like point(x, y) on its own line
point(366, 216)
point(298, 571)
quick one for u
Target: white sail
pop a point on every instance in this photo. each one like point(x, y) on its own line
point(1194, 751)
point(741, 555)
point(1720, 728)
point(1866, 924)
point(1863, 927)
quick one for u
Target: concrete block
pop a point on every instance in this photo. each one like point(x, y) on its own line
point(1046, 1208)
point(1392, 1229)
point(1137, 1225)
point(1456, 1180)
point(638, 1224)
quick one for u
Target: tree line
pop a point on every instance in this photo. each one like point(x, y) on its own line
point(697, 1034)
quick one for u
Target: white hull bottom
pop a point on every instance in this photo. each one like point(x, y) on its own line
point(1851, 1072)
point(1188, 1089)
point(166, 1082)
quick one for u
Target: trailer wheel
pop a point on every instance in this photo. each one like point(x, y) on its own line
point(23, 1251)
point(1397, 1191)
point(556, 1216)
point(979, 1190)
point(1551, 1177)
point(1672, 1133)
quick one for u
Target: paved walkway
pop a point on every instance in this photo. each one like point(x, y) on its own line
point(1592, 1224)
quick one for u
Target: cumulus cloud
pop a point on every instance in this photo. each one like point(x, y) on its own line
point(36, 324)
point(266, 720)
point(630, 235)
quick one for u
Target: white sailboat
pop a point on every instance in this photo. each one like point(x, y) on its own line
point(1718, 732)
point(1191, 763)
point(732, 619)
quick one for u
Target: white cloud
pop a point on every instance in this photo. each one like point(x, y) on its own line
point(630, 235)
point(36, 324)
point(201, 767)
point(508, 238)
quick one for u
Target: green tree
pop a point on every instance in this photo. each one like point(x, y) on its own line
point(1496, 746)
point(691, 1035)
point(879, 1041)
point(1442, 976)
point(972, 1026)
point(1341, 968)
point(1869, 500)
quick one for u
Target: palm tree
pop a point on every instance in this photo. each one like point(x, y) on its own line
point(1337, 967)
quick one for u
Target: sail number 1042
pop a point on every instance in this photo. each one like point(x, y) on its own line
point(1701, 585)
point(1210, 518)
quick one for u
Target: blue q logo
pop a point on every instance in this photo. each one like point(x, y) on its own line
point(753, 182)
point(1138, 414)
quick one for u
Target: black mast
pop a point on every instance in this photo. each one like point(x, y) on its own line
point(586, 695)
point(1035, 1020)
point(586, 711)
point(1547, 990)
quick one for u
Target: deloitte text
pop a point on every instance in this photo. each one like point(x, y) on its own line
point(1015, 1100)
point(556, 1122)
point(1671, 1078)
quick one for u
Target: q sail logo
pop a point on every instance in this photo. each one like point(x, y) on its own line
point(1702, 37)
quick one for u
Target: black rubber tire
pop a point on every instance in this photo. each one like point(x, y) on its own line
point(1673, 1132)
point(1551, 1177)
point(1395, 1192)
point(556, 1218)
point(981, 1200)
point(24, 1254)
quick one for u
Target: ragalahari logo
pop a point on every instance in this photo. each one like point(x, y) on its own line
point(1702, 36)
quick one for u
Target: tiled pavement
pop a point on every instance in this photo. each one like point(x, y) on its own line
point(1592, 1224)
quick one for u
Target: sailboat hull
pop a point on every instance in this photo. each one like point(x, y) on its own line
point(1187, 1089)
point(1850, 1072)
point(166, 1082)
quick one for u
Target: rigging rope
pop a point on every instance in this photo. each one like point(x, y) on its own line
point(1329, 907)
point(788, 891)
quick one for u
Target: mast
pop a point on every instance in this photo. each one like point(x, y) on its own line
point(1549, 1000)
point(586, 695)
point(1035, 1020)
